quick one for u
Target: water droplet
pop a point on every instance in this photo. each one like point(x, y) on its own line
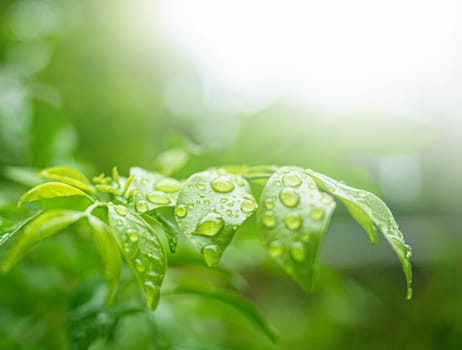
point(211, 254)
point(317, 213)
point(200, 187)
point(248, 206)
point(141, 206)
point(207, 202)
point(326, 199)
point(139, 265)
point(269, 204)
point(181, 211)
point(240, 182)
point(127, 248)
point(120, 223)
point(284, 170)
point(191, 186)
point(269, 220)
point(222, 184)
point(121, 210)
point(362, 194)
point(210, 225)
point(229, 212)
point(289, 197)
point(223, 200)
point(292, 180)
point(137, 196)
point(275, 248)
point(132, 235)
point(293, 222)
point(191, 205)
point(168, 185)
point(297, 251)
point(408, 250)
point(159, 198)
point(311, 185)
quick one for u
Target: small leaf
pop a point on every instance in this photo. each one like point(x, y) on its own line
point(43, 226)
point(371, 213)
point(107, 189)
point(142, 249)
point(293, 218)
point(211, 207)
point(110, 253)
point(51, 190)
point(234, 300)
point(152, 190)
point(69, 176)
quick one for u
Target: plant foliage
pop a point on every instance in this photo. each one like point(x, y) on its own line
point(126, 216)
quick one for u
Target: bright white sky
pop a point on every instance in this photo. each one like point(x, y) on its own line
point(402, 56)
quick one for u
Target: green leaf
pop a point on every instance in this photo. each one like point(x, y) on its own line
point(43, 226)
point(371, 213)
point(241, 304)
point(69, 176)
point(293, 218)
point(110, 254)
point(211, 207)
point(51, 190)
point(9, 229)
point(142, 249)
point(152, 190)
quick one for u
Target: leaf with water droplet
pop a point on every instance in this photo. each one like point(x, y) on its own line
point(43, 226)
point(143, 251)
point(204, 219)
point(294, 223)
point(50, 190)
point(69, 176)
point(236, 301)
point(372, 214)
point(110, 254)
point(153, 190)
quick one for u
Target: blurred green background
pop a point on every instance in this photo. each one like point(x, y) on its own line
point(89, 84)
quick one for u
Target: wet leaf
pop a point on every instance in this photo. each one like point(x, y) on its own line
point(210, 208)
point(69, 176)
point(142, 250)
point(51, 190)
point(43, 226)
point(372, 214)
point(293, 218)
point(152, 190)
point(110, 254)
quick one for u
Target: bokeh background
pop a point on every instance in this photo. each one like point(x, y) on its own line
point(368, 92)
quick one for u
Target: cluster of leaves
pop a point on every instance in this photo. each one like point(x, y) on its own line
point(128, 215)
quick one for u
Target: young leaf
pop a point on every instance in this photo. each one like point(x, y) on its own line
point(371, 213)
point(210, 208)
point(236, 301)
point(41, 227)
point(152, 190)
point(51, 190)
point(110, 253)
point(69, 176)
point(142, 249)
point(293, 218)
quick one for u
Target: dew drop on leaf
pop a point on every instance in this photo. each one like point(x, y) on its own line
point(121, 210)
point(297, 251)
point(210, 225)
point(269, 220)
point(132, 235)
point(292, 180)
point(248, 206)
point(139, 265)
point(211, 254)
point(276, 249)
point(168, 185)
point(317, 213)
point(222, 185)
point(141, 206)
point(292, 221)
point(289, 197)
point(158, 197)
point(181, 211)
point(269, 204)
